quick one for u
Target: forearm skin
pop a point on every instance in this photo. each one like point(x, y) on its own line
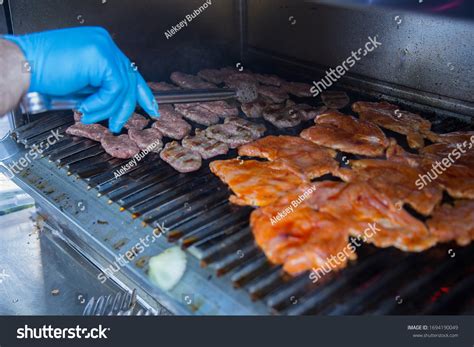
point(14, 76)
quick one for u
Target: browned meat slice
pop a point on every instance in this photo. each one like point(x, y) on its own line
point(301, 240)
point(181, 159)
point(307, 112)
point(136, 121)
point(359, 205)
point(255, 183)
point(189, 81)
point(460, 153)
point(197, 113)
point(271, 80)
point(119, 146)
point(454, 222)
point(77, 116)
point(396, 181)
point(282, 117)
point(220, 108)
point(161, 86)
point(346, 133)
point(391, 117)
point(205, 146)
point(230, 133)
point(149, 139)
point(215, 76)
point(171, 124)
point(297, 89)
point(454, 137)
point(298, 155)
point(254, 109)
point(241, 77)
point(274, 94)
point(335, 99)
point(90, 131)
point(256, 129)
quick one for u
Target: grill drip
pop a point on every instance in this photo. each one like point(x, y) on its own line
point(196, 210)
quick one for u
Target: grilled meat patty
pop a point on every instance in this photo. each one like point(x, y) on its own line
point(274, 94)
point(347, 134)
point(93, 132)
point(197, 114)
point(181, 159)
point(257, 130)
point(297, 89)
point(136, 121)
point(335, 99)
point(189, 81)
point(205, 146)
point(119, 146)
point(149, 139)
point(171, 124)
point(271, 80)
point(216, 76)
point(162, 86)
point(230, 133)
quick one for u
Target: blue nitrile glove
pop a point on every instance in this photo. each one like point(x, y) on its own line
point(71, 61)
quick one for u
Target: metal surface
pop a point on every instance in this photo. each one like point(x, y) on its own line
point(193, 211)
point(34, 103)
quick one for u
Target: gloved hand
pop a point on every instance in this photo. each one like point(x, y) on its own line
point(78, 60)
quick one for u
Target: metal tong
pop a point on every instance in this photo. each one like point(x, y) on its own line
point(33, 102)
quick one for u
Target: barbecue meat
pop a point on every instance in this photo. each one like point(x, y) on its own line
point(189, 81)
point(304, 239)
point(149, 139)
point(241, 77)
point(270, 80)
point(335, 99)
point(347, 134)
point(230, 133)
point(298, 155)
point(93, 132)
point(197, 113)
point(274, 94)
point(205, 146)
point(454, 222)
point(171, 124)
point(254, 109)
point(77, 116)
point(136, 121)
point(215, 76)
point(119, 146)
point(181, 159)
point(454, 137)
point(162, 86)
point(257, 130)
point(297, 89)
point(219, 108)
point(461, 153)
point(396, 181)
point(359, 205)
point(255, 183)
point(391, 117)
point(281, 116)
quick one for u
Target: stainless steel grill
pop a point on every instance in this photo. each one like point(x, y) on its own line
point(215, 233)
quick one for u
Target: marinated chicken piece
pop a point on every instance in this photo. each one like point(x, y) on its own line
point(360, 206)
point(197, 113)
point(136, 121)
point(454, 137)
point(93, 132)
point(297, 89)
point(181, 159)
point(396, 181)
point(162, 86)
point(391, 117)
point(274, 94)
point(347, 134)
point(335, 99)
point(171, 124)
point(119, 146)
point(149, 139)
point(205, 146)
point(461, 153)
point(271, 80)
point(454, 222)
point(230, 133)
point(255, 183)
point(303, 239)
point(257, 130)
point(298, 155)
point(189, 81)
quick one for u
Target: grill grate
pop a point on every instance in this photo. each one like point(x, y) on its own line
point(196, 209)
